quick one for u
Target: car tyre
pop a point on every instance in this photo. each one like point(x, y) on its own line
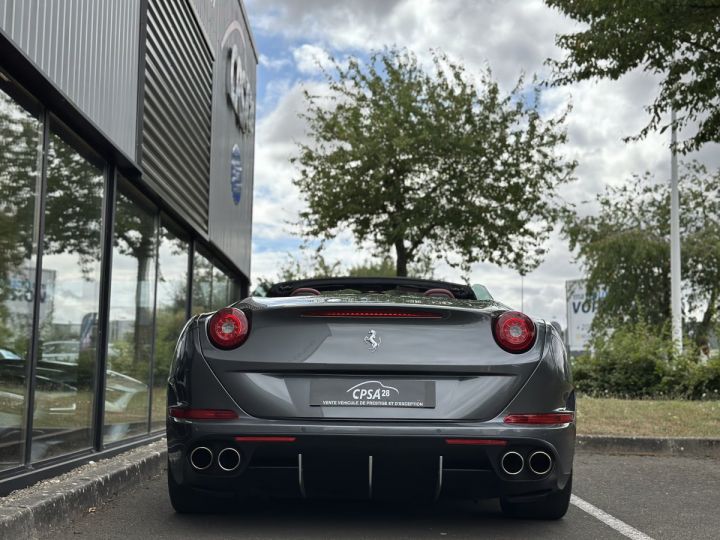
point(551, 507)
point(186, 500)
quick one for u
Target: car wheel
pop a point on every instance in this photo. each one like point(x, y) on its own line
point(185, 500)
point(553, 506)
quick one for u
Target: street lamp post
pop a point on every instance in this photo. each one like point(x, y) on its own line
point(675, 277)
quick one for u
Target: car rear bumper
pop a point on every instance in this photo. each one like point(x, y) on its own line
point(370, 459)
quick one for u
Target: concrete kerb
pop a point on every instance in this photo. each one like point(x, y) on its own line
point(51, 503)
point(656, 446)
point(26, 513)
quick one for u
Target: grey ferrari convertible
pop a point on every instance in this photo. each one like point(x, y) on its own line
point(371, 388)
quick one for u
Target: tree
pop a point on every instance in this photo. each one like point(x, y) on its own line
point(625, 249)
point(135, 237)
point(431, 163)
point(675, 39)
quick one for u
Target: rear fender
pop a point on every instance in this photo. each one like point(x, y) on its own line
point(548, 389)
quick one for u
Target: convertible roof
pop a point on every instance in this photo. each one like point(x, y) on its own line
point(371, 284)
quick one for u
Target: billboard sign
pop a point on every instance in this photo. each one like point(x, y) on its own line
point(19, 292)
point(581, 308)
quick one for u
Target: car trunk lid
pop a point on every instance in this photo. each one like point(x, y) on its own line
point(372, 357)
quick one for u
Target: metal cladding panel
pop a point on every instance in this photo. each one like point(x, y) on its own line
point(90, 51)
point(233, 128)
point(177, 109)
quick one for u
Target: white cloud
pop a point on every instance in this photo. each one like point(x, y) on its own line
point(277, 201)
point(273, 64)
point(310, 59)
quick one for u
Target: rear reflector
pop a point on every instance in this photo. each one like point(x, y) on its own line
point(265, 439)
point(201, 414)
point(375, 314)
point(477, 442)
point(543, 419)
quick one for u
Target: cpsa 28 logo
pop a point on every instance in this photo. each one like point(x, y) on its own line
point(372, 390)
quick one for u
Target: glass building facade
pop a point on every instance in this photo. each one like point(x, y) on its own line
point(101, 262)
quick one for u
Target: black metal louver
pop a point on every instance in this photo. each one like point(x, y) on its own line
point(177, 109)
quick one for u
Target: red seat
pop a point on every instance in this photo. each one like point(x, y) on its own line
point(305, 291)
point(439, 293)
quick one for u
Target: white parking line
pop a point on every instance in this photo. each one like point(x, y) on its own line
point(620, 526)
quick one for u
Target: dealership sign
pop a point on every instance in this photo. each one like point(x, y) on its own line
point(581, 309)
point(239, 90)
point(18, 292)
point(240, 98)
point(236, 174)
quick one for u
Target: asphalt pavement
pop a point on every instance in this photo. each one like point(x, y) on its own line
point(635, 497)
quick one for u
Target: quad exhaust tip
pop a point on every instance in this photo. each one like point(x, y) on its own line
point(540, 462)
point(512, 463)
point(228, 459)
point(201, 458)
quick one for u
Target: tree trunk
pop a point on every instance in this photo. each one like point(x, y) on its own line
point(142, 334)
point(703, 330)
point(402, 259)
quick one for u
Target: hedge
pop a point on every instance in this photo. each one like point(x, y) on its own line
point(638, 361)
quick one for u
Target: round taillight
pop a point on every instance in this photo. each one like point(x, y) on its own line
point(228, 328)
point(514, 331)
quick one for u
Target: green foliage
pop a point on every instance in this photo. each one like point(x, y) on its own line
point(631, 362)
point(314, 265)
point(675, 39)
point(693, 380)
point(431, 163)
point(625, 248)
point(308, 265)
point(168, 325)
point(126, 359)
point(638, 361)
point(704, 381)
point(385, 267)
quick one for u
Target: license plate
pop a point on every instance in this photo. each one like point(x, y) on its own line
point(372, 392)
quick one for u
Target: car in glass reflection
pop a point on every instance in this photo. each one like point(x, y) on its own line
point(61, 352)
point(371, 388)
point(62, 384)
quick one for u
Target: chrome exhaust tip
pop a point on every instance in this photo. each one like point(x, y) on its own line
point(228, 459)
point(512, 463)
point(540, 462)
point(201, 458)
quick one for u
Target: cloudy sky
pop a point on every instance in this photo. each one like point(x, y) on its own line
point(511, 37)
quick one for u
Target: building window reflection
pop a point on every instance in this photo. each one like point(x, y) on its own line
point(202, 284)
point(20, 141)
point(148, 301)
point(172, 282)
point(64, 380)
point(130, 332)
point(222, 289)
point(212, 288)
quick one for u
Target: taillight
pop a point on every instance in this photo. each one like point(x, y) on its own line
point(265, 439)
point(185, 413)
point(540, 419)
point(514, 331)
point(372, 314)
point(228, 328)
